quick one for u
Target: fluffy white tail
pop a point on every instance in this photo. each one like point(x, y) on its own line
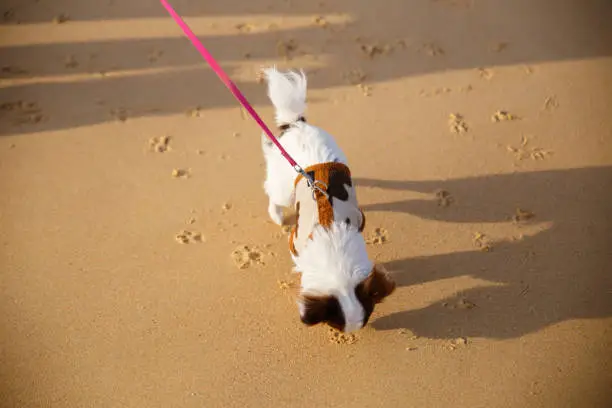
point(287, 91)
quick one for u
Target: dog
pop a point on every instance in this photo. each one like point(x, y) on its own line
point(339, 284)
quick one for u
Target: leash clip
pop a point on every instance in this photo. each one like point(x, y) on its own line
point(315, 185)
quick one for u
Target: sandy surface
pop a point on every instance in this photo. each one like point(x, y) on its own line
point(138, 265)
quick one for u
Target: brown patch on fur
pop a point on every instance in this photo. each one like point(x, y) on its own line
point(291, 239)
point(326, 211)
point(297, 217)
point(373, 290)
point(378, 285)
point(323, 170)
point(334, 176)
point(322, 309)
point(283, 128)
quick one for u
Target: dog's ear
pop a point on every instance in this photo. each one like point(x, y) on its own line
point(378, 285)
point(316, 309)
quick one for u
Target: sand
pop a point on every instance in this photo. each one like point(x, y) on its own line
point(138, 267)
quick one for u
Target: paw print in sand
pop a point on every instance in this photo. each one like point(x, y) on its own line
point(444, 198)
point(22, 113)
point(245, 256)
point(338, 337)
point(378, 237)
point(188, 237)
point(457, 124)
point(160, 144)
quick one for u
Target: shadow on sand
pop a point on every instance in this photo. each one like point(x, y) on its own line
point(179, 80)
point(562, 273)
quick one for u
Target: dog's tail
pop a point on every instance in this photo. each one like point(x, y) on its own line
point(287, 91)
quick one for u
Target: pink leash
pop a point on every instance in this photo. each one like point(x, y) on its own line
point(233, 89)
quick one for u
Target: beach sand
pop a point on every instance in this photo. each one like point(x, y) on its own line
point(138, 266)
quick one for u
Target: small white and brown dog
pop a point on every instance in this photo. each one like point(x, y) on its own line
point(339, 283)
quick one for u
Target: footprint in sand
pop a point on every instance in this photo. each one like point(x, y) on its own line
point(432, 50)
point(456, 343)
point(378, 237)
point(435, 92)
point(22, 112)
point(355, 76)
point(485, 73)
point(373, 50)
point(499, 47)
point(288, 286)
point(482, 242)
point(457, 124)
point(10, 71)
point(71, 62)
point(503, 116)
point(189, 237)
point(120, 114)
point(245, 257)
point(522, 216)
point(341, 338)
point(160, 144)
point(195, 112)
point(444, 198)
point(550, 103)
point(524, 152)
point(155, 55)
point(61, 18)
point(181, 173)
point(463, 304)
point(8, 15)
point(286, 49)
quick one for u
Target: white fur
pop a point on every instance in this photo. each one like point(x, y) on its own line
point(287, 91)
point(335, 261)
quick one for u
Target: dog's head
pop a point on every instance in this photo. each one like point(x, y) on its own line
point(340, 285)
point(347, 311)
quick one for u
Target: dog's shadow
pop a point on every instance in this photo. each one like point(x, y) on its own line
point(562, 273)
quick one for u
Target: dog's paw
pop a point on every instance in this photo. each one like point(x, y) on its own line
point(276, 214)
